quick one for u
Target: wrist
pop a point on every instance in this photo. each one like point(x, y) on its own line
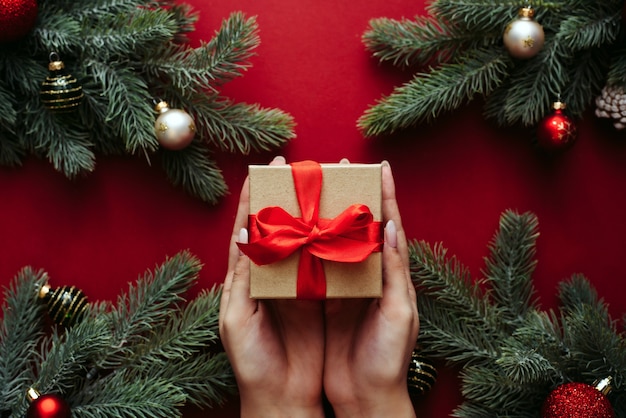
point(397, 405)
point(279, 408)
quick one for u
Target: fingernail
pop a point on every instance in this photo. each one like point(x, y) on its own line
point(344, 161)
point(385, 163)
point(391, 234)
point(279, 159)
point(243, 238)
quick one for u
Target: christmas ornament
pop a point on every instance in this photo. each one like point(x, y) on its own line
point(60, 91)
point(612, 104)
point(47, 406)
point(422, 374)
point(556, 131)
point(174, 128)
point(17, 18)
point(66, 304)
point(579, 400)
point(524, 37)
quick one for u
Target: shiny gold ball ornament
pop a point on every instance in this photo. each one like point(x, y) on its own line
point(66, 304)
point(422, 374)
point(174, 128)
point(524, 37)
point(60, 91)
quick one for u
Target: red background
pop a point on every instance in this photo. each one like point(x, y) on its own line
point(454, 178)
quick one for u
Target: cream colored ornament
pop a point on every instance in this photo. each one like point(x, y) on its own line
point(174, 128)
point(524, 37)
point(611, 104)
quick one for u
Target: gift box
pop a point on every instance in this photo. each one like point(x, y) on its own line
point(315, 231)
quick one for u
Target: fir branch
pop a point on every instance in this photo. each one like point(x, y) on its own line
point(145, 307)
point(443, 89)
point(21, 75)
point(69, 353)
point(94, 10)
point(531, 354)
point(21, 328)
point(65, 145)
point(542, 332)
point(230, 49)
point(183, 334)
point(125, 34)
point(585, 31)
point(580, 36)
point(129, 112)
point(192, 169)
point(11, 153)
point(419, 41)
point(457, 320)
point(244, 127)
point(125, 53)
point(211, 64)
point(617, 71)
point(66, 357)
point(586, 80)
point(205, 378)
point(120, 395)
point(511, 264)
point(596, 348)
point(57, 32)
point(176, 353)
point(525, 365)
point(531, 88)
point(490, 392)
point(578, 291)
point(8, 118)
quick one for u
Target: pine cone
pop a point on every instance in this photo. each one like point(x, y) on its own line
point(612, 104)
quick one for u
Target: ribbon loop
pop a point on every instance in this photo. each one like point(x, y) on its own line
point(275, 234)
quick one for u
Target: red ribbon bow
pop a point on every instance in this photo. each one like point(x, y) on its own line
point(275, 234)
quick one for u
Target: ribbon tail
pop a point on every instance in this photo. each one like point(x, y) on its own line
point(311, 282)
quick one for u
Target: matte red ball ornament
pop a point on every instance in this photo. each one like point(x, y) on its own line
point(578, 400)
point(17, 18)
point(557, 130)
point(48, 406)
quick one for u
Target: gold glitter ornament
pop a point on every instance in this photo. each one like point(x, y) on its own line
point(524, 37)
point(174, 128)
point(60, 91)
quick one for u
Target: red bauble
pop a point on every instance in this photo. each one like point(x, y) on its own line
point(557, 130)
point(577, 400)
point(48, 406)
point(17, 18)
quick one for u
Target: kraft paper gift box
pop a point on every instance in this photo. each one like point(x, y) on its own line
point(342, 186)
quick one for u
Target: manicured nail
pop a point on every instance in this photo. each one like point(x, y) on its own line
point(344, 161)
point(279, 159)
point(243, 238)
point(385, 163)
point(391, 234)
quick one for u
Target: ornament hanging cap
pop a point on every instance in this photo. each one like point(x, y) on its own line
point(161, 106)
point(526, 12)
point(559, 105)
point(32, 394)
point(55, 62)
point(604, 385)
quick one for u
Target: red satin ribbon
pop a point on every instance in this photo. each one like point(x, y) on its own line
point(275, 234)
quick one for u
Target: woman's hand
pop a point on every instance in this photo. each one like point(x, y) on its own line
point(369, 342)
point(276, 347)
